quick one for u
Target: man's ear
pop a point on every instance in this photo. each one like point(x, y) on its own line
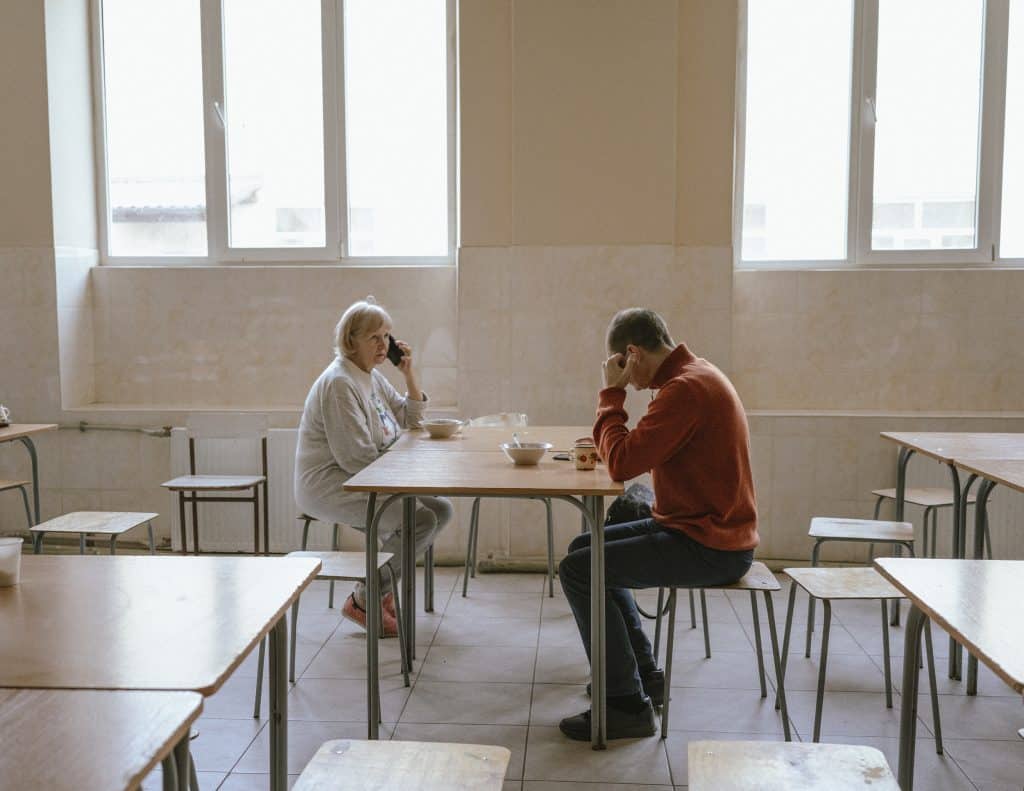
point(631, 349)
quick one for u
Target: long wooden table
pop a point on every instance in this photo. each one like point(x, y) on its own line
point(402, 475)
point(952, 448)
point(65, 740)
point(978, 603)
point(22, 432)
point(151, 623)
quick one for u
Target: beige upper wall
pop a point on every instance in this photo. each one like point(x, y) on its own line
point(597, 123)
point(25, 210)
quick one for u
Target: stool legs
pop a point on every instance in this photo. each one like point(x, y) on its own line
point(822, 665)
point(28, 510)
point(152, 542)
point(551, 547)
point(259, 679)
point(780, 696)
point(403, 649)
point(470, 567)
point(81, 543)
point(657, 621)
point(693, 611)
point(291, 647)
point(757, 644)
point(936, 719)
point(668, 661)
point(810, 601)
point(704, 617)
point(182, 525)
point(428, 579)
point(334, 548)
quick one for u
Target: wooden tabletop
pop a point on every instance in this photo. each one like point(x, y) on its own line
point(1006, 472)
point(358, 765)
point(19, 430)
point(109, 522)
point(481, 438)
point(474, 473)
point(957, 445)
point(976, 601)
point(75, 739)
point(141, 622)
point(755, 766)
point(847, 582)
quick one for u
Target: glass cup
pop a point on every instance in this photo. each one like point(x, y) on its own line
point(10, 561)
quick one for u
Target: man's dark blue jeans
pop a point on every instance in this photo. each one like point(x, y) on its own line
point(639, 555)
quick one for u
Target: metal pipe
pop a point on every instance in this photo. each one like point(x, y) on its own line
point(83, 426)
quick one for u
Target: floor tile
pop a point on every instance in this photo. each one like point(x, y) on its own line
point(221, 743)
point(544, 785)
point(467, 630)
point(724, 637)
point(976, 717)
point(724, 670)
point(343, 700)
point(496, 605)
point(562, 664)
point(846, 714)
point(511, 736)
point(347, 659)
point(843, 673)
point(554, 702)
point(479, 663)
point(989, 684)
point(235, 699)
point(723, 710)
point(991, 765)
point(237, 781)
point(304, 739)
point(208, 781)
point(485, 704)
point(506, 583)
point(551, 756)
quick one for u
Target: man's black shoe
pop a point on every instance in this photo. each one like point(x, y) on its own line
point(621, 724)
point(653, 682)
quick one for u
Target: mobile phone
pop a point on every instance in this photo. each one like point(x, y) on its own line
point(394, 353)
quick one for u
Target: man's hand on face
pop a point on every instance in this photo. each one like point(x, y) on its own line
point(617, 370)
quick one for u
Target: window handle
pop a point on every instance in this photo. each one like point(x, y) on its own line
point(219, 110)
point(870, 102)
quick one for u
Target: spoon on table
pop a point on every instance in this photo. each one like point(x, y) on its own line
point(515, 440)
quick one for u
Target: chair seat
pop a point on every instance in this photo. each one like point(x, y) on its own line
point(213, 483)
point(758, 578)
point(106, 522)
point(924, 497)
point(5, 485)
point(860, 529)
point(349, 566)
point(358, 765)
point(794, 766)
point(854, 582)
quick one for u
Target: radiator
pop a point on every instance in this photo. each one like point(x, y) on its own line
point(227, 527)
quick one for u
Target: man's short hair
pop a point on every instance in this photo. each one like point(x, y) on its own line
point(638, 327)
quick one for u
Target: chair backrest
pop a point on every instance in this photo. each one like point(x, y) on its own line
point(218, 441)
point(501, 420)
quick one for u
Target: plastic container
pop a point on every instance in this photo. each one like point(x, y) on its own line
point(10, 561)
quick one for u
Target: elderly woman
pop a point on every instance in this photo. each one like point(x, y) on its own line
point(352, 415)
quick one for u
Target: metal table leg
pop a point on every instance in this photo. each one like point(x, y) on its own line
point(952, 664)
point(409, 571)
point(959, 551)
point(27, 442)
point(279, 705)
point(599, 712)
point(908, 705)
point(170, 773)
point(980, 515)
point(372, 620)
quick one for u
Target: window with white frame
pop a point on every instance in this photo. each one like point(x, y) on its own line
point(257, 130)
point(881, 132)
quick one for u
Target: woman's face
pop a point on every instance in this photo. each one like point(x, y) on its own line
point(372, 347)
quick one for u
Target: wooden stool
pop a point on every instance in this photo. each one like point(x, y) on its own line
point(773, 766)
point(6, 486)
point(357, 765)
point(850, 584)
point(86, 523)
point(931, 499)
point(347, 567)
point(757, 578)
point(873, 531)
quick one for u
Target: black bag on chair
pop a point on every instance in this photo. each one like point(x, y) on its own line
point(631, 506)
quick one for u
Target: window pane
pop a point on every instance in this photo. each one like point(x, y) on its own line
point(926, 135)
point(273, 88)
point(1011, 245)
point(396, 127)
point(156, 187)
point(796, 165)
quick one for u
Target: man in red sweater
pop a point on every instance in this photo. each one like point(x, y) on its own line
point(695, 442)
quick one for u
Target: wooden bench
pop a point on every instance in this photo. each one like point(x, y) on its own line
point(776, 766)
point(356, 765)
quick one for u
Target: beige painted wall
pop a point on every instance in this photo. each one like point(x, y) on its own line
point(596, 171)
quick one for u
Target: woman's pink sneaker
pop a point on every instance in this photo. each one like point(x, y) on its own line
point(353, 612)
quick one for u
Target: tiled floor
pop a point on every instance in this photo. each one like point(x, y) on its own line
point(504, 665)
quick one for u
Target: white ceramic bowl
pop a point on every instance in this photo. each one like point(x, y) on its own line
point(526, 452)
point(442, 427)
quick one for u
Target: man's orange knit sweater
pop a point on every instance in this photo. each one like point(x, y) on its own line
point(695, 442)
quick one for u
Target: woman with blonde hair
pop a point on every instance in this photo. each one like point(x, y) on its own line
point(352, 415)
